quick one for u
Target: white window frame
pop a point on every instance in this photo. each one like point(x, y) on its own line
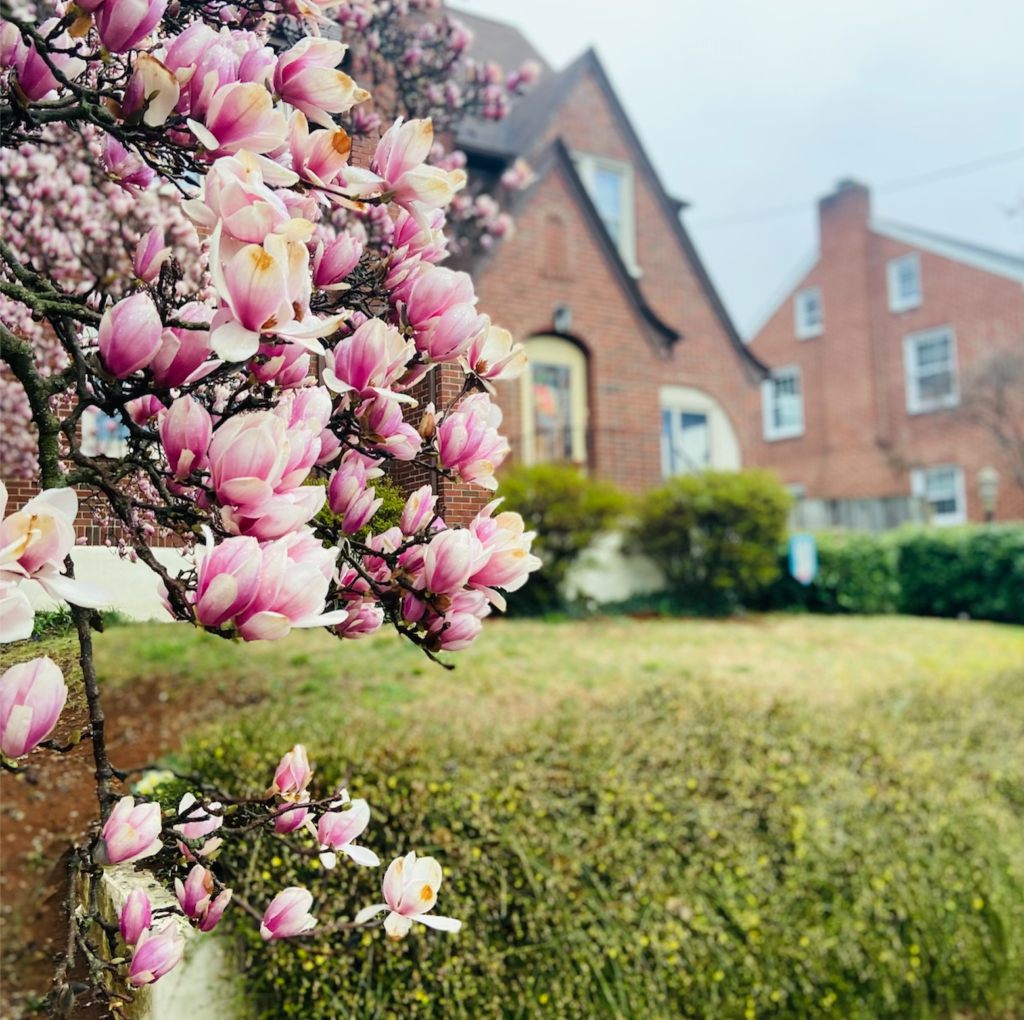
point(772, 431)
point(676, 413)
point(586, 165)
point(919, 488)
point(807, 328)
point(916, 404)
point(897, 301)
point(554, 350)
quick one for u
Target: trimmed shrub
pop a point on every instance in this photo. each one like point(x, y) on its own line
point(715, 535)
point(857, 573)
point(568, 510)
point(976, 571)
point(678, 855)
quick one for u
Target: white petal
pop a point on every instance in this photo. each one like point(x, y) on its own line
point(367, 913)
point(328, 860)
point(361, 855)
point(233, 342)
point(439, 923)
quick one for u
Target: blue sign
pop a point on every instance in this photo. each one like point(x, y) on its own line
point(803, 558)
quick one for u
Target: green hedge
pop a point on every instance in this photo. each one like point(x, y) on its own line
point(567, 509)
point(676, 856)
point(714, 535)
point(976, 571)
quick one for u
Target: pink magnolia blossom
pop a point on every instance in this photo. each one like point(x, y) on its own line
point(418, 512)
point(130, 833)
point(200, 822)
point(228, 577)
point(283, 363)
point(241, 115)
point(293, 774)
point(35, 541)
point(185, 432)
point(288, 914)
point(150, 255)
point(319, 157)
point(399, 160)
point(196, 899)
point(369, 362)
point(32, 697)
point(136, 916)
point(155, 955)
point(364, 618)
point(508, 561)
point(461, 624)
point(493, 355)
point(183, 352)
point(451, 558)
point(292, 819)
point(337, 829)
point(142, 410)
point(17, 617)
point(440, 306)
point(384, 428)
point(123, 24)
point(410, 892)
point(126, 167)
point(36, 79)
point(333, 262)
point(278, 515)
point(233, 192)
point(266, 290)
point(248, 458)
point(129, 335)
point(289, 595)
point(306, 78)
point(349, 494)
point(469, 443)
point(153, 89)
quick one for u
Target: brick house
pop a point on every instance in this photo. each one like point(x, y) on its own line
point(872, 355)
point(636, 370)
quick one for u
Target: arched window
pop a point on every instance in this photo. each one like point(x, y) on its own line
point(554, 402)
point(695, 433)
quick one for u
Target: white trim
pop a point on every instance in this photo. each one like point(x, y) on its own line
point(919, 488)
point(772, 431)
point(554, 350)
point(586, 164)
point(806, 328)
point(915, 403)
point(897, 301)
point(997, 263)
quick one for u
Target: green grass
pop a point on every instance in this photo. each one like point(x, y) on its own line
point(786, 817)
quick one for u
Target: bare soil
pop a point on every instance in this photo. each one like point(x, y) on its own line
point(52, 804)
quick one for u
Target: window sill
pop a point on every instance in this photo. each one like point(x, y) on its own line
point(775, 437)
point(944, 405)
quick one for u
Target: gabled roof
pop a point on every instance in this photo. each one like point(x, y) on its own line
point(556, 157)
point(521, 133)
point(987, 259)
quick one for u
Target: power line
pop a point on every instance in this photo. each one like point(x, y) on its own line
point(899, 184)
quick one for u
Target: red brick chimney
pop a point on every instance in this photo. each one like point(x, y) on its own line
point(844, 213)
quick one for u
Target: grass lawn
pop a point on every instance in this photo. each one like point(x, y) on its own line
point(781, 817)
point(522, 670)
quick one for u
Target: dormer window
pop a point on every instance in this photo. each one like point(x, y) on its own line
point(809, 313)
point(609, 182)
point(904, 283)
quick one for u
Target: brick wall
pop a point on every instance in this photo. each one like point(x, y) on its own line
point(859, 440)
point(554, 259)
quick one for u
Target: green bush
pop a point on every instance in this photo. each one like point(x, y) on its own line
point(977, 571)
point(568, 510)
point(388, 514)
point(857, 573)
point(715, 535)
point(678, 855)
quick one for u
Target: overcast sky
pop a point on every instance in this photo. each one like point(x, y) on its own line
point(748, 105)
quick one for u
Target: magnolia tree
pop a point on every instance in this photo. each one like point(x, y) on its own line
point(190, 250)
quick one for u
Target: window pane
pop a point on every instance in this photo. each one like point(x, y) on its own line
point(907, 280)
point(940, 490)
point(103, 436)
point(786, 407)
point(608, 199)
point(933, 352)
point(696, 441)
point(552, 410)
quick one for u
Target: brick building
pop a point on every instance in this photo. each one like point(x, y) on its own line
point(636, 369)
point(874, 354)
